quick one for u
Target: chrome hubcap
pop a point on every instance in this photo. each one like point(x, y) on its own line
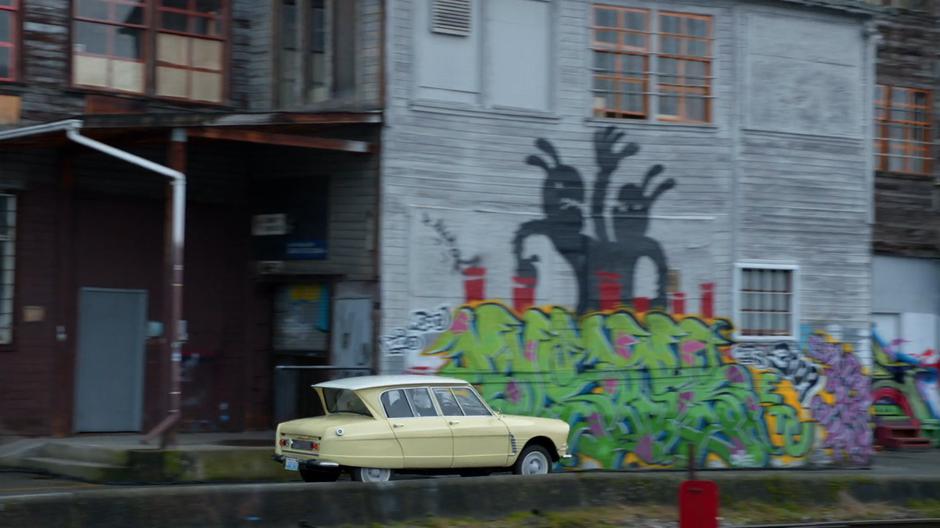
point(375, 474)
point(535, 463)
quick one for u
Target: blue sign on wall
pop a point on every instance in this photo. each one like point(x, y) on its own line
point(291, 219)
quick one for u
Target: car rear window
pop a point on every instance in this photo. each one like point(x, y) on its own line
point(344, 401)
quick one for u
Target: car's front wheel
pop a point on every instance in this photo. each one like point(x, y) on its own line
point(371, 474)
point(313, 475)
point(534, 460)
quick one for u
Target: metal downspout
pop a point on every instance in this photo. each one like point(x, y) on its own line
point(174, 276)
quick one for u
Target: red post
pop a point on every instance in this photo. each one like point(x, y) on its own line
point(474, 283)
point(678, 303)
point(609, 289)
point(641, 304)
point(523, 294)
point(708, 300)
point(698, 500)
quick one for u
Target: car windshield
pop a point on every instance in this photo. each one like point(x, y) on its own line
point(344, 400)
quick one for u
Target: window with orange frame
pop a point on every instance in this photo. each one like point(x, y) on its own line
point(9, 39)
point(903, 131)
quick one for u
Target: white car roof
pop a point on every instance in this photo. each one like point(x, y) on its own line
point(371, 382)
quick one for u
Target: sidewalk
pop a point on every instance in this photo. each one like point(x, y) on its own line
point(123, 459)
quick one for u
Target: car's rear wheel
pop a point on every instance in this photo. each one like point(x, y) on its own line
point(313, 475)
point(534, 460)
point(371, 474)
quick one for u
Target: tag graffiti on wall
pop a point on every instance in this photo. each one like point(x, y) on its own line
point(444, 237)
point(411, 339)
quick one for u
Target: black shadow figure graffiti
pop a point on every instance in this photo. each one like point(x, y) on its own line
point(601, 259)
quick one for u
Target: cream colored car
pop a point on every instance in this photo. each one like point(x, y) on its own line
point(372, 426)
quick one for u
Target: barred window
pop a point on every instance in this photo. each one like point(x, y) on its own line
point(7, 263)
point(626, 65)
point(766, 301)
point(903, 135)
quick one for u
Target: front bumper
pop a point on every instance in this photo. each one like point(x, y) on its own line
point(309, 464)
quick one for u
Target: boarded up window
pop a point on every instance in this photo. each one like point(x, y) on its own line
point(316, 50)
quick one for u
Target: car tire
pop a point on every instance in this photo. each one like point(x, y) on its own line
point(371, 474)
point(313, 475)
point(534, 460)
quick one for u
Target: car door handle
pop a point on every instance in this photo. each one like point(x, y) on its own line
point(454, 422)
point(396, 426)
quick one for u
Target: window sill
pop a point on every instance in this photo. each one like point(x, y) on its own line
point(643, 123)
point(476, 111)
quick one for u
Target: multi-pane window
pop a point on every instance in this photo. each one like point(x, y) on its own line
point(190, 50)
point(636, 49)
point(7, 265)
point(168, 48)
point(9, 39)
point(108, 44)
point(315, 45)
point(903, 132)
point(766, 301)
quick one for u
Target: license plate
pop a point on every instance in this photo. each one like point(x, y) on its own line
point(290, 464)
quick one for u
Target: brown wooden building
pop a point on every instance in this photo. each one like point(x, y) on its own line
point(906, 235)
point(272, 112)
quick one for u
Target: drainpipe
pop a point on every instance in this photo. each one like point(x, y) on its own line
point(173, 260)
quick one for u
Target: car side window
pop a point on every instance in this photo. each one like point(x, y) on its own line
point(447, 402)
point(471, 405)
point(396, 406)
point(421, 402)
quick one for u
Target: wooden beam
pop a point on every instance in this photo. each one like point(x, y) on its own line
point(287, 140)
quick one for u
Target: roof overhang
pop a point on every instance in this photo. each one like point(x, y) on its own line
point(326, 131)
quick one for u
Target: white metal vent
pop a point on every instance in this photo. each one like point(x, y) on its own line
point(452, 17)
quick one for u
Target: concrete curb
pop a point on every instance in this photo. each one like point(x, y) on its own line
point(320, 505)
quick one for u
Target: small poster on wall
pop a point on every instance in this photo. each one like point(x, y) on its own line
point(302, 318)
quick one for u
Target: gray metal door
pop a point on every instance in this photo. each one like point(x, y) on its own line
point(352, 336)
point(109, 384)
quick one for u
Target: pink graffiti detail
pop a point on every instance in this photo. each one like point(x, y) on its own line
point(684, 399)
point(461, 323)
point(738, 448)
point(644, 448)
point(610, 386)
point(689, 349)
point(734, 374)
point(530, 354)
point(624, 345)
point(596, 423)
point(513, 392)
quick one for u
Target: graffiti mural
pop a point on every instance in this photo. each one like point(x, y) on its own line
point(605, 267)
point(637, 377)
point(638, 388)
point(906, 384)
